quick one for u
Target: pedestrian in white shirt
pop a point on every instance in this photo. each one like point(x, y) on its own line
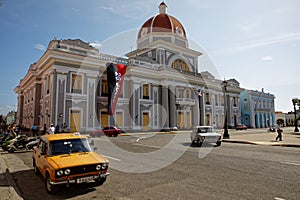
point(51, 129)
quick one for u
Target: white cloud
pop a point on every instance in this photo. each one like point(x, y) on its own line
point(267, 58)
point(6, 109)
point(40, 47)
point(287, 37)
point(96, 44)
point(133, 10)
point(107, 8)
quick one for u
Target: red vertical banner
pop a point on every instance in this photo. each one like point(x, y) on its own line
point(115, 77)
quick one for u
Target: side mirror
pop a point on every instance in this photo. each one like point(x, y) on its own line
point(92, 142)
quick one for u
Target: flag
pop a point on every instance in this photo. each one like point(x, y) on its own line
point(199, 93)
point(115, 77)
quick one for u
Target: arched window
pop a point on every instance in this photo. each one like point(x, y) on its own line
point(180, 65)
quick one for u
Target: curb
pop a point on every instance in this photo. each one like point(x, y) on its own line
point(147, 133)
point(261, 143)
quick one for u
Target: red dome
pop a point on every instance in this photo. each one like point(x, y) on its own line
point(162, 22)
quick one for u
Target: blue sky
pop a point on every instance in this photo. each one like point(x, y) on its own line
point(256, 42)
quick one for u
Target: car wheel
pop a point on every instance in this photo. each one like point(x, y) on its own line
point(199, 143)
point(219, 143)
point(100, 181)
point(51, 189)
point(115, 134)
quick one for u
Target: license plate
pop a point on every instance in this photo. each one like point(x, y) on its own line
point(85, 179)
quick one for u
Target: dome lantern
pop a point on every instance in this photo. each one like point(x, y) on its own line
point(162, 8)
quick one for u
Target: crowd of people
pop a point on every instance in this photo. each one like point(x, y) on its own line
point(34, 131)
point(54, 130)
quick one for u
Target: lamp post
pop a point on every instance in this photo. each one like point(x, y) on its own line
point(295, 101)
point(226, 134)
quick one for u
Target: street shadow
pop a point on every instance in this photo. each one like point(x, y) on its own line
point(16, 152)
point(32, 187)
point(194, 145)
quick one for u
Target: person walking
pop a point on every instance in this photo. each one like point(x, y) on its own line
point(51, 129)
point(279, 133)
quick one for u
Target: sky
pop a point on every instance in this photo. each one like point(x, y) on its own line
point(256, 42)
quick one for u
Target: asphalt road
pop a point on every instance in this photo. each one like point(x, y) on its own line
point(167, 167)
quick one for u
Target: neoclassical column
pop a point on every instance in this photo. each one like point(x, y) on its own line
point(165, 104)
point(172, 107)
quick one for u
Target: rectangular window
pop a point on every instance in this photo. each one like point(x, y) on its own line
point(216, 100)
point(180, 93)
point(146, 91)
point(245, 104)
point(234, 101)
point(207, 98)
point(104, 88)
point(76, 83)
point(48, 84)
point(188, 94)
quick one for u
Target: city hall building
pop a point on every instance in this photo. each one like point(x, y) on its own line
point(162, 88)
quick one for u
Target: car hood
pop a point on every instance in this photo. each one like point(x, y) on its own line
point(209, 134)
point(75, 159)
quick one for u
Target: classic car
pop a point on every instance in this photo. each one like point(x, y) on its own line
point(241, 127)
point(201, 134)
point(107, 130)
point(64, 159)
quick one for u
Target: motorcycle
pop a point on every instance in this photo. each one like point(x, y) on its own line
point(21, 142)
point(6, 141)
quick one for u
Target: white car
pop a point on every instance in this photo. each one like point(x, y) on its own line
point(207, 134)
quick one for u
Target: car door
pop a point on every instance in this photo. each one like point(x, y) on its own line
point(40, 156)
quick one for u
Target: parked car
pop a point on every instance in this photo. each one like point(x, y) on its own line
point(107, 130)
point(111, 131)
point(64, 159)
point(202, 134)
point(241, 127)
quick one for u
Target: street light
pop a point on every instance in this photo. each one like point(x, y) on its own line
point(295, 101)
point(226, 134)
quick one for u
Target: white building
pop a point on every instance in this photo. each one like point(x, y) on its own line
point(68, 84)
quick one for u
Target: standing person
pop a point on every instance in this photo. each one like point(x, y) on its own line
point(64, 128)
point(51, 129)
point(279, 133)
point(44, 129)
point(57, 128)
point(34, 130)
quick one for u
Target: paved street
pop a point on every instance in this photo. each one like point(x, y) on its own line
point(232, 171)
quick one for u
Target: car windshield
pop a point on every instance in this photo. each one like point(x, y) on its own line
point(205, 130)
point(59, 147)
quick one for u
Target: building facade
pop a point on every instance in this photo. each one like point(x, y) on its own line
point(257, 109)
point(162, 88)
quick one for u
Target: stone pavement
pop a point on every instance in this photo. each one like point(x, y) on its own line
point(9, 190)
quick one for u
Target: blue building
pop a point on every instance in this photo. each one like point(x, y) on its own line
point(257, 109)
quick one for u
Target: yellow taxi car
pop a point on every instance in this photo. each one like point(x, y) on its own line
point(63, 159)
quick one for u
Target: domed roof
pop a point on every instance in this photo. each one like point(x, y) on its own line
point(162, 22)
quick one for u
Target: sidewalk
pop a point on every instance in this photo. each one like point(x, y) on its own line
point(251, 136)
point(7, 184)
point(263, 137)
